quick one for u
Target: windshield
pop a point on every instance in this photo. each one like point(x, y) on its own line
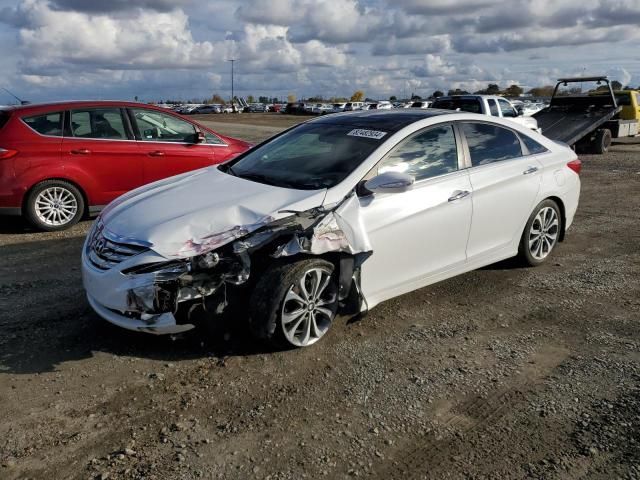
point(464, 104)
point(308, 157)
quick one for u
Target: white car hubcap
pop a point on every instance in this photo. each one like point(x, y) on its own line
point(56, 206)
point(306, 311)
point(543, 234)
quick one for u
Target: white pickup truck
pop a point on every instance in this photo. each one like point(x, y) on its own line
point(491, 105)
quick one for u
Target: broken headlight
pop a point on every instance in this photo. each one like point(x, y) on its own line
point(175, 267)
point(206, 261)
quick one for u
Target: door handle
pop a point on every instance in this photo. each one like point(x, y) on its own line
point(81, 151)
point(530, 170)
point(157, 153)
point(458, 194)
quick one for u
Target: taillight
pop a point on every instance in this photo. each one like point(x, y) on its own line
point(5, 153)
point(575, 165)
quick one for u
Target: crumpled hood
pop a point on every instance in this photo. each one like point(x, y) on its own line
point(201, 210)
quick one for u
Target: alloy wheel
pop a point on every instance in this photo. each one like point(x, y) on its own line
point(309, 307)
point(56, 206)
point(543, 233)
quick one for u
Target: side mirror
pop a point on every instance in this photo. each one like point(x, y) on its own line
point(200, 137)
point(390, 182)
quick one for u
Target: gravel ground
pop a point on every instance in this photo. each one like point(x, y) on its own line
point(502, 373)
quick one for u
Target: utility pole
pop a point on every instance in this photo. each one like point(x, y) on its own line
point(232, 96)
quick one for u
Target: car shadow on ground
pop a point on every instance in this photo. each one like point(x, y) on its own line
point(10, 225)
point(45, 319)
point(82, 335)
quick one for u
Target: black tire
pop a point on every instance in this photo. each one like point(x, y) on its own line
point(525, 254)
point(601, 141)
point(32, 215)
point(267, 304)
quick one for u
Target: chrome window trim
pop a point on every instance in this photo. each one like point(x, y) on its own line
point(121, 140)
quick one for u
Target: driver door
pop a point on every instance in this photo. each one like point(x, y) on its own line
point(419, 234)
point(167, 145)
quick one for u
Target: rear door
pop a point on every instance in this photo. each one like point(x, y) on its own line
point(167, 145)
point(505, 186)
point(98, 144)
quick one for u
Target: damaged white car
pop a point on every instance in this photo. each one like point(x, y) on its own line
point(341, 212)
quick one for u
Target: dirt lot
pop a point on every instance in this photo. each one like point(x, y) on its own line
point(503, 373)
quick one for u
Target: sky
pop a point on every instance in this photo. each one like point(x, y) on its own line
point(178, 49)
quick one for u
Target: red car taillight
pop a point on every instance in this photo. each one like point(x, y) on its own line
point(5, 153)
point(575, 165)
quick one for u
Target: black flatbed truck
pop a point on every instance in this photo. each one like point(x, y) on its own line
point(582, 121)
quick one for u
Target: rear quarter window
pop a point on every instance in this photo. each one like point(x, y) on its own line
point(46, 124)
point(534, 147)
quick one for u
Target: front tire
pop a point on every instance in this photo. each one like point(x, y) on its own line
point(294, 304)
point(541, 233)
point(54, 205)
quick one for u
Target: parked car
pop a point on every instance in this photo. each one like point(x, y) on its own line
point(353, 106)
point(204, 109)
point(421, 104)
point(295, 108)
point(61, 161)
point(277, 107)
point(528, 109)
point(338, 107)
point(187, 109)
point(490, 105)
point(348, 209)
point(256, 108)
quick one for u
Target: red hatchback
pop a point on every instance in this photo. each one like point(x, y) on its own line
point(60, 161)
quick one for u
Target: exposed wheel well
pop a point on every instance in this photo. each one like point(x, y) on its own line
point(563, 216)
point(80, 189)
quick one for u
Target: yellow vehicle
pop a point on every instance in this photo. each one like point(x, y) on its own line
point(627, 122)
point(629, 100)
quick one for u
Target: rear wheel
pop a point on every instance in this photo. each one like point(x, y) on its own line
point(294, 304)
point(602, 141)
point(541, 234)
point(54, 205)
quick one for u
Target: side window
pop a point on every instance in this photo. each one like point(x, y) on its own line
point(47, 124)
point(490, 143)
point(507, 109)
point(493, 108)
point(624, 100)
point(103, 123)
point(160, 127)
point(213, 139)
point(424, 155)
point(533, 146)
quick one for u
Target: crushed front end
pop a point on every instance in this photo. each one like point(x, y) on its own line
point(132, 286)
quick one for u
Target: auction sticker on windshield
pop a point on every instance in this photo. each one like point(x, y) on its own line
point(359, 132)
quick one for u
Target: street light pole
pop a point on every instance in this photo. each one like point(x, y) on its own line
point(232, 96)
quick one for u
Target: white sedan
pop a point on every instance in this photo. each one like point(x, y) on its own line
point(341, 212)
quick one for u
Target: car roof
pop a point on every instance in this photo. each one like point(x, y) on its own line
point(64, 105)
point(389, 120)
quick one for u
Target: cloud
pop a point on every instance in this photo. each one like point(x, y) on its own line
point(53, 39)
point(331, 47)
point(107, 6)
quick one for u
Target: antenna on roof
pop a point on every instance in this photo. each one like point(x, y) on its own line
point(22, 102)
